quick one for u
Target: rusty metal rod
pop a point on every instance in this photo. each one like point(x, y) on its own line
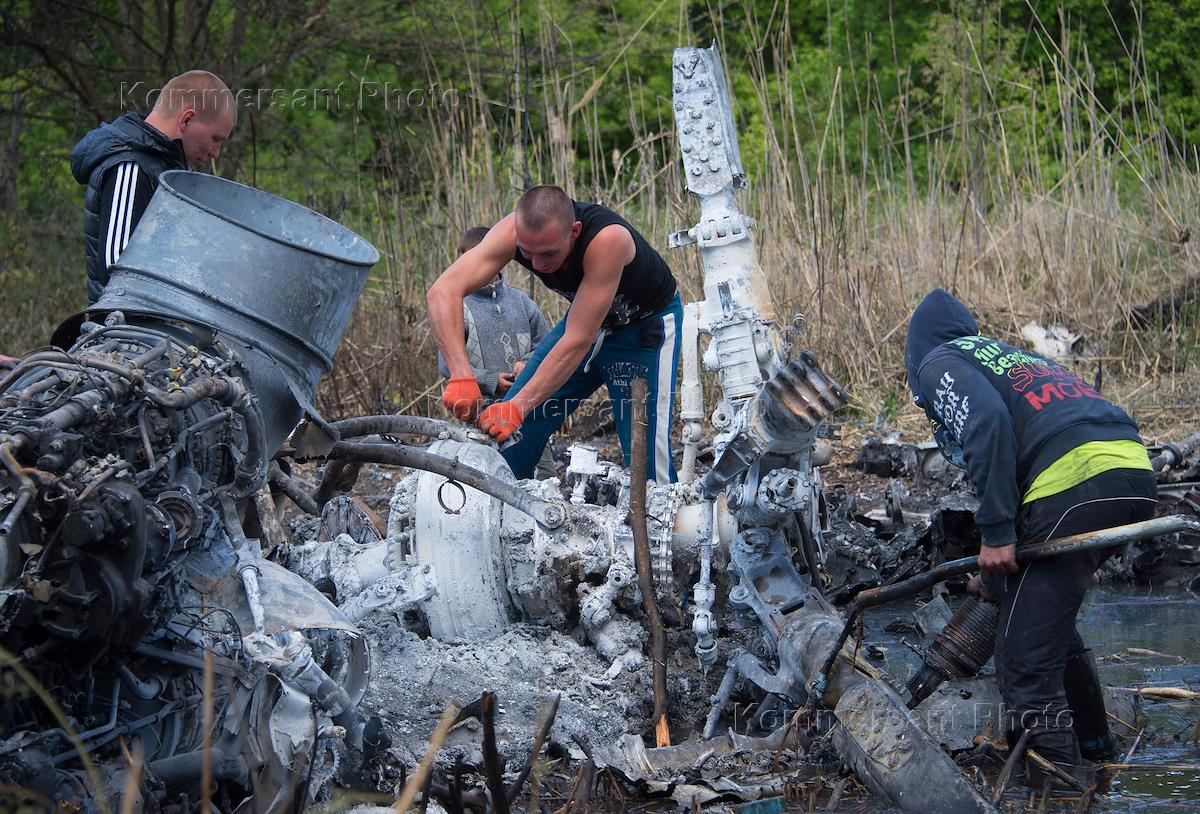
point(1102, 538)
point(539, 737)
point(641, 552)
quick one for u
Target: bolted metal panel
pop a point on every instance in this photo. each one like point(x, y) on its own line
point(707, 136)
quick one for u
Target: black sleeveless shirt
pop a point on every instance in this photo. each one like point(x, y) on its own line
point(646, 286)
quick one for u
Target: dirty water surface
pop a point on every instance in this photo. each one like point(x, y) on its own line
point(1141, 638)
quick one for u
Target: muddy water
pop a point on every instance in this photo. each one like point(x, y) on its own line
point(1113, 621)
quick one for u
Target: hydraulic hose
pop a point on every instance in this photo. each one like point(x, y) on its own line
point(548, 513)
point(397, 424)
point(292, 488)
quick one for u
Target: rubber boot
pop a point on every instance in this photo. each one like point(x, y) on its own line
point(1060, 747)
point(1081, 680)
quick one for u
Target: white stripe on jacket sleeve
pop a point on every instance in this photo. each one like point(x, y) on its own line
point(120, 215)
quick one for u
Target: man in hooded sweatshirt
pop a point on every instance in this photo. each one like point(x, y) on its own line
point(120, 162)
point(1049, 457)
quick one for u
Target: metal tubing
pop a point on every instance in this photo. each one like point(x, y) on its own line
point(25, 490)
point(221, 665)
point(721, 699)
point(691, 392)
point(1172, 455)
point(180, 769)
point(225, 391)
point(704, 592)
point(548, 513)
point(146, 690)
point(252, 470)
point(1103, 538)
point(249, 575)
point(247, 562)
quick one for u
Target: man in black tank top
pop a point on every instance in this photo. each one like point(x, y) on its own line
point(623, 324)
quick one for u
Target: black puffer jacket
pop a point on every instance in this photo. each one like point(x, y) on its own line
point(127, 138)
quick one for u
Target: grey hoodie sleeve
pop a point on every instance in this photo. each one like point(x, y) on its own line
point(538, 326)
point(486, 380)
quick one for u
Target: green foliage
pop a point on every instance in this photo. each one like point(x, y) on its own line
point(410, 121)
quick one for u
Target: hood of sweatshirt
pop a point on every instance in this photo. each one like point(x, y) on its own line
point(938, 319)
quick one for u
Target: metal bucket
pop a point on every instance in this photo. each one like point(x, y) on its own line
point(276, 280)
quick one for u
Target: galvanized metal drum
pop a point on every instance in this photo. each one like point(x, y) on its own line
point(276, 280)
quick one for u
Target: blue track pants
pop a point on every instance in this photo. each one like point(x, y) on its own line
point(647, 349)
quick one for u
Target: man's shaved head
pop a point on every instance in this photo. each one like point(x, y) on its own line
point(201, 91)
point(198, 110)
point(542, 206)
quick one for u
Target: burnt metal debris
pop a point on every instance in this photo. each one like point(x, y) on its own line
point(139, 467)
point(131, 464)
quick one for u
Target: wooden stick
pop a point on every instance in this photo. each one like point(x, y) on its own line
point(582, 796)
point(1009, 765)
point(492, 770)
point(539, 737)
point(1054, 770)
point(207, 726)
point(1163, 693)
point(1085, 802)
point(131, 797)
point(645, 570)
point(417, 781)
point(1136, 742)
point(1156, 767)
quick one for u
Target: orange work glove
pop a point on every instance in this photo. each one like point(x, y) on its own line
point(501, 420)
point(463, 397)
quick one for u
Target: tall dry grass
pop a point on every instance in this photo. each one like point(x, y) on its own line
point(1057, 212)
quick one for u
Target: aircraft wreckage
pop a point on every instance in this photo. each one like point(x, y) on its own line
point(139, 455)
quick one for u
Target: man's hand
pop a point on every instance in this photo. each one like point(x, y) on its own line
point(517, 368)
point(501, 420)
point(504, 381)
point(463, 397)
point(998, 560)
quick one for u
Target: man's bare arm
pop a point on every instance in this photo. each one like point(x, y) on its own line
point(607, 255)
point(470, 272)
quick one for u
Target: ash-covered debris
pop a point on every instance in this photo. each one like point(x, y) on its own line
point(526, 665)
point(135, 584)
point(877, 530)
